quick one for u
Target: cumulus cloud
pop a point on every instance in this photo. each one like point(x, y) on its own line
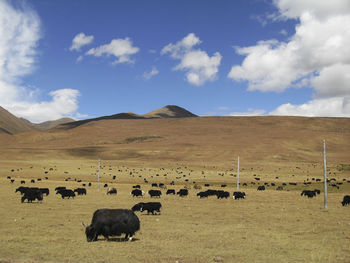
point(153, 72)
point(199, 67)
point(321, 9)
point(19, 36)
point(80, 40)
point(122, 49)
point(316, 56)
point(325, 107)
point(63, 103)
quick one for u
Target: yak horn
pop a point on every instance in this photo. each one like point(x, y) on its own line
point(82, 223)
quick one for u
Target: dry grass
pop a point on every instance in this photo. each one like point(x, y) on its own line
point(270, 226)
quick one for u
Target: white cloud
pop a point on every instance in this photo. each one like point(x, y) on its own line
point(316, 56)
point(80, 40)
point(19, 36)
point(320, 9)
point(326, 107)
point(250, 112)
point(153, 72)
point(181, 47)
point(199, 66)
point(283, 32)
point(80, 58)
point(122, 49)
point(63, 103)
point(333, 81)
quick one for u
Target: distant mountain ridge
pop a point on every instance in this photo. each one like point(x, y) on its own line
point(52, 124)
point(10, 124)
point(169, 111)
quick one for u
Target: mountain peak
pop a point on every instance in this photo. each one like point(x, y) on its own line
point(170, 111)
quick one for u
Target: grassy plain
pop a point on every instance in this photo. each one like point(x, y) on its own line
point(268, 226)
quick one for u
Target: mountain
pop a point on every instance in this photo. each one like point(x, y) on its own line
point(51, 124)
point(216, 141)
point(10, 124)
point(129, 115)
point(170, 111)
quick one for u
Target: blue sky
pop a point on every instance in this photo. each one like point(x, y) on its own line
point(92, 58)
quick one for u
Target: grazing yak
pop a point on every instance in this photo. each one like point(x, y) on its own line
point(80, 191)
point(182, 192)
point(155, 193)
point(137, 193)
point(308, 193)
point(31, 194)
point(111, 191)
point(21, 189)
point(150, 207)
point(203, 194)
point(45, 191)
point(346, 200)
point(238, 195)
point(222, 194)
point(170, 192)
point(66, 193)
point(112, 222)
point(261, 188)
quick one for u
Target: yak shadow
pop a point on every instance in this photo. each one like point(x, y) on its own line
point(150, 214)
point(119, 239)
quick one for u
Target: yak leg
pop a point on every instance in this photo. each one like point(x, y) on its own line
point(130, 237)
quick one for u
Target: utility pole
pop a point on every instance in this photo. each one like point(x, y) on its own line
point(325, 174)
point(238, 174)
point(98, 174)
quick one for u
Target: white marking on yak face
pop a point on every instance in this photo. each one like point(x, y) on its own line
point(143, 192)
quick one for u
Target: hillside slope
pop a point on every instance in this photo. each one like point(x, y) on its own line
point(52, 124)
point(169, 111)
point(10, 124)
point(202, 140)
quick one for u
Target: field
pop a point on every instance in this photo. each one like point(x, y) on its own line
point(268, 226)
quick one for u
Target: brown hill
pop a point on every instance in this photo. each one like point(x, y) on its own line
point(51, 124)
point(10, 124)
point(202, 140)
point(119, 116)
point(170, 111)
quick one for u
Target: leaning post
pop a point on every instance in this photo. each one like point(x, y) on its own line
point(325, 175)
